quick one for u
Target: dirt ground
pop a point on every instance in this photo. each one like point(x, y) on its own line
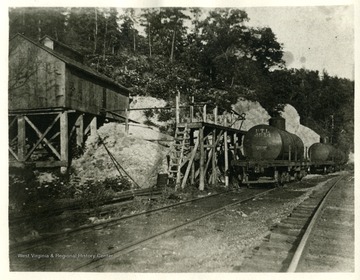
point(219, 243)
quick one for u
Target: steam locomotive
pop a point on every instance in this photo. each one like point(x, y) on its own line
point(274, 155)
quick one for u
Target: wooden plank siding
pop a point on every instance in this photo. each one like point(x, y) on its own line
point(36, 78)
point(39, 78)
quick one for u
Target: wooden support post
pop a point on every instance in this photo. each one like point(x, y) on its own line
point(190, 165)
point(126, 121)
point(202, 159)
point(215, 115)
point(177, 110)
point(64, 139)
point(213, 162)
point(235, 146)
point(204, 113)
point(93, 126)
point(80, 130)
point(226, 156)
point(21, 138)
point(192, 109)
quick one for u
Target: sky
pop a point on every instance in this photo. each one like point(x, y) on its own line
point(315, 38)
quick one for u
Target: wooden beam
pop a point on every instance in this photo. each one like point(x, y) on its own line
point(13, 153)
point(226, 155)
point(192, 109)
point(64, 139)
point(38, 164)
point(193, 153)
point(177, 110)
point(93, 126)
point(213, 161)
point(12, 122)
point(54, 136)
point(42, 137)
point(202, 159)
point(192, 178)
point(21, 138)
point(215, 115)
point(80, 130)
point(204, 113)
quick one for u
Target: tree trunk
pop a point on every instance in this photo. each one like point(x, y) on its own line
point(172, 47)
point(149, 41)
point(104, 45)
point(95, 31)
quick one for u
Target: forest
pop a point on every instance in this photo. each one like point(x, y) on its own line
point(211, 54)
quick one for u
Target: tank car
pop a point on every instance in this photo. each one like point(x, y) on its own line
point(325, 157)
point(272, 154)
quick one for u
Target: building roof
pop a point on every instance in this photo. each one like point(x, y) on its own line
point(72, 63)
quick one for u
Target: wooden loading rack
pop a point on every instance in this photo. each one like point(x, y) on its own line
point(194, 154)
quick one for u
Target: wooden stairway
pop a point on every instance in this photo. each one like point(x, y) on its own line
point(179, 153)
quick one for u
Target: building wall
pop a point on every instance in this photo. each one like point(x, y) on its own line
point(87, 94)
point(36, 78)
point(39, 80)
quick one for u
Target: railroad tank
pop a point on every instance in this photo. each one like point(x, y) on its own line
point(272, 142)
point(322, 152)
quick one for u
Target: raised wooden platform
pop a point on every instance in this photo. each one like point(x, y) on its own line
point(211, 126)
point(197, 147)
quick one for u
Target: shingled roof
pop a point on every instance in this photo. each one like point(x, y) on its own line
point(75, 64)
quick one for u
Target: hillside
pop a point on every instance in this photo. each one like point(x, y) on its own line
point(212, 54)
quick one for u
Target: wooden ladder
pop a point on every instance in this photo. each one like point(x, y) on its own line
point(180, 147)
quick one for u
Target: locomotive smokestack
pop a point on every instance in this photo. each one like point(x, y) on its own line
point(278, 122)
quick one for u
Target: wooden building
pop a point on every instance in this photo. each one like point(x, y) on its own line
point(55, 100)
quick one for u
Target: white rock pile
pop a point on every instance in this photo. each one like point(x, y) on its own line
point(141, 159)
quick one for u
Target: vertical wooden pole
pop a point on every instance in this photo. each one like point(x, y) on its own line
point(192, 174)
point(202, 159)
point(64, 139)
point(192, 109)
point(177, 109)
point(226, 155)
point(204, 113)
point(235, 145)
point(126, 121)
point(21, 138)
point(213, 162)
point(80, 130)
point(93, 126)
point(215, 115)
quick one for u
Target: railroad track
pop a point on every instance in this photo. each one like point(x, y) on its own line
point(78, 205)
point(122, 235)
point(318, 236)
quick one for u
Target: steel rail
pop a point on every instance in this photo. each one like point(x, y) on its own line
point(304, 240)
point(130, 247)
point(124, 196)
point(18, 247)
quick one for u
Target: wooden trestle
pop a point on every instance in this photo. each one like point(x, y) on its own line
point(44, 138)
point(195, 152)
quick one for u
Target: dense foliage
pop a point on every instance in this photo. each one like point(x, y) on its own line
point(210, 54)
